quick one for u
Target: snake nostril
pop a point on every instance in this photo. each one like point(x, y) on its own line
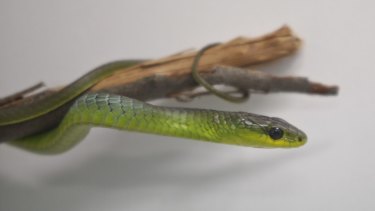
point(299, 138)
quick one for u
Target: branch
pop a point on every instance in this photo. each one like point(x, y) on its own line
point(171, 77)
point(239, 52)
point(260, 82)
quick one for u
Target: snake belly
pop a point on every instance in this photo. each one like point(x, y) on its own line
point(114, 111)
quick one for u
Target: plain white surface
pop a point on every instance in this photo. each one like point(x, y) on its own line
point(58, 41)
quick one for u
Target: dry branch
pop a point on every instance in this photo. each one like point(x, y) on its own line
point(240, 52)
point(171, 77)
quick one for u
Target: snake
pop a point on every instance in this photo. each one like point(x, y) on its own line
point(119, 112)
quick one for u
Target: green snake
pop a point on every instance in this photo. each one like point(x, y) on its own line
point(114, 111)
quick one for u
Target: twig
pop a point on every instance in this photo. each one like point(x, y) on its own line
point(20, 95)
point(257, 82)
point(266, 83)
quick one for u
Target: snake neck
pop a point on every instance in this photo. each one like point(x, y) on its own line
point(129, 114)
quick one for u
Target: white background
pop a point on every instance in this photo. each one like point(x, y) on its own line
point(58, 41)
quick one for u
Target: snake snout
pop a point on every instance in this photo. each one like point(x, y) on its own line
point(302, 137)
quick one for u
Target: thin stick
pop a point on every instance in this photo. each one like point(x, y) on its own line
point(265, 82)
point(20, 95)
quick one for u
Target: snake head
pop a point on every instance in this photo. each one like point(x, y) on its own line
point(267, 132)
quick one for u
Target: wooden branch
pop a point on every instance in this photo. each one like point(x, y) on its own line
point(239, 52)
point(158, 77)
point(261, 82)
point(171, 77)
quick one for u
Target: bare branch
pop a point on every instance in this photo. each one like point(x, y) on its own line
point(239, 52)
point(171, 76)
point(266, 83)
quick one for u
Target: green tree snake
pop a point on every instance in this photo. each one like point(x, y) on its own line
point(114, 111)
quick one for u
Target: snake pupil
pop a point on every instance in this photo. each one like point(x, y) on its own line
point(275, 133)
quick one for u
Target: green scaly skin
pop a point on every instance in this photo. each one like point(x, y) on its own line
point(113, 111)
point(13, 115)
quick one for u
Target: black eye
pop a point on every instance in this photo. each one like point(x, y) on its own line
point(275, 133)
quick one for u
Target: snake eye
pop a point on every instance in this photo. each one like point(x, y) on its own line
point(275, 133)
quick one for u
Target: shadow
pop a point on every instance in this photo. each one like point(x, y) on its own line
point(134, 179)
point(181, 168)
point(137, 180)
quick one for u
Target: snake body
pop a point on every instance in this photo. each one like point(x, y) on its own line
point(114, 111)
